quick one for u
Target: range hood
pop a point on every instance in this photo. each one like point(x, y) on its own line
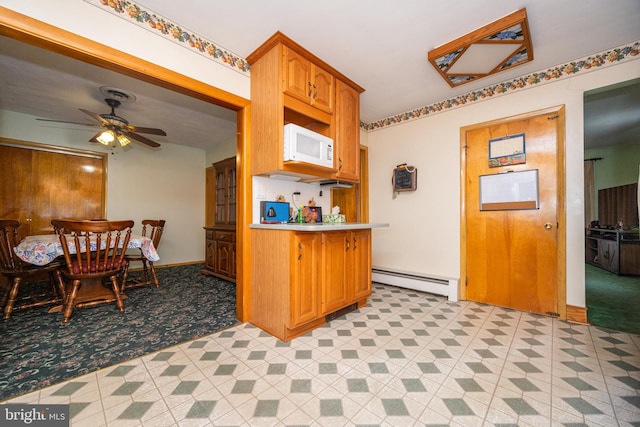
point(335, 183)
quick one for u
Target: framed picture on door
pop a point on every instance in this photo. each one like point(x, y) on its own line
point(507, 150)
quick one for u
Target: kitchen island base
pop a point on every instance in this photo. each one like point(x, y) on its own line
point(300, 278)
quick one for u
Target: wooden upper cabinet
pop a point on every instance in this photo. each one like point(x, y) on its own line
point(291, 85)
point(307, 81)
point(347, 140)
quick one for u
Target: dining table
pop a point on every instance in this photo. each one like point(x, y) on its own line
point(44, 248)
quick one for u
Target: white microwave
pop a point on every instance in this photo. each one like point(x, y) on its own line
point(304, 145)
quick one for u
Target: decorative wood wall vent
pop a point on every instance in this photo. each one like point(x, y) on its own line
point(496, 47)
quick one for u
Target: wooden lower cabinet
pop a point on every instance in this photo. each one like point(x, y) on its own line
point(298, 278)
point(220, 255)
point(305, 278)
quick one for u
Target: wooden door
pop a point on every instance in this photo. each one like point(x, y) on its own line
point(50, 182)
point(513, 258)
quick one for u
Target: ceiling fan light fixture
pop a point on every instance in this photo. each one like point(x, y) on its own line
point(123, 140)
point(106, 137)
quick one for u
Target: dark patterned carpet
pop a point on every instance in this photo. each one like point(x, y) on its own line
point(37, 350)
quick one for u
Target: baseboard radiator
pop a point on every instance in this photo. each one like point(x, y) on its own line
point(447, 286)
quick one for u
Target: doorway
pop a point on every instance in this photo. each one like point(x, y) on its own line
point(512, 229)
point(612, 159)
point(25, 29)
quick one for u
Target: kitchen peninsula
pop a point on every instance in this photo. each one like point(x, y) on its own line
point(303, 275)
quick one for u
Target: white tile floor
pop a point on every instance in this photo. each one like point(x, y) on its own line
point(406, 359)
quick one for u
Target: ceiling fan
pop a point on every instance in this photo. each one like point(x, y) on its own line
point(114, 126)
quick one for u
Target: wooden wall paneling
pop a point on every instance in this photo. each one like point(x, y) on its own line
point(53, 182)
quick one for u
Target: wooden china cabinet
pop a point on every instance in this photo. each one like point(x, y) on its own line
point(220, 256)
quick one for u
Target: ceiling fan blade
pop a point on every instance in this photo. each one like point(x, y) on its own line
point(142, 139)
point(96, 116)
point(71, 123)
point(152, 131)
point(95, 137)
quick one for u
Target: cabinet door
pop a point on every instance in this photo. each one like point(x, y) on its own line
point(210, 255)
point(231, 194)
point(361, 253)
point(297, 76)
point(322, 86)
point(305, 278)
point(221, 196)
point(608, 256)
point(347, 143)
point(308, 82)
point(225, 258)
point(336, 247)
point(225, 191)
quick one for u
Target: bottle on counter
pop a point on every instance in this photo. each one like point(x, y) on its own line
point(300, 217)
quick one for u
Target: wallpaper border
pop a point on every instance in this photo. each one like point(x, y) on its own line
point(151, 21)
point(580, 66)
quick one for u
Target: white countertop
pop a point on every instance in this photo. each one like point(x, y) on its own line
point(318, 226)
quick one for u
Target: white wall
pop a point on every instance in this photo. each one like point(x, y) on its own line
point(220, 152)
point(94, 23)
point(270, 188)
point(424, 236)
point(138, 186)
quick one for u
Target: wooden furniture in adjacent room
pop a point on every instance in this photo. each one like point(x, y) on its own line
point(291, 85)
point(153, 229)
point(99, 249)
point(301, 279)
point(617, 204)
point(49, 182)
point(615, 250)
point(20, 273)
point(220, 256)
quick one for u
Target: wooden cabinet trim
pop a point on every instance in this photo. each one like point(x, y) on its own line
point(279, 38)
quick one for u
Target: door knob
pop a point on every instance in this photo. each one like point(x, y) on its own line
point(548, 225)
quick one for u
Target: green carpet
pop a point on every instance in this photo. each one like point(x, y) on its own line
point(613, 301)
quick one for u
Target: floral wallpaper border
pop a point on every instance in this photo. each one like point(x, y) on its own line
point(151, 21)
point(586, 64)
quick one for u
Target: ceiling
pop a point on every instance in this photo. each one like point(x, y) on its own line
point(382, 45)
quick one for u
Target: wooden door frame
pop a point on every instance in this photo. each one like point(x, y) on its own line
point(561, 281)
point(37, 33)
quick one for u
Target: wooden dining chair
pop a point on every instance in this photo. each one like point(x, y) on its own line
point(19, 273)
point(152, 228)
point(93, 251)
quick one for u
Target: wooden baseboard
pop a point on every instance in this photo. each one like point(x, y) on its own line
point(577, 314)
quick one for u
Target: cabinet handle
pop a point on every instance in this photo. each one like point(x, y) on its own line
point(355, 245)
point(315, 92)
point(299, 251)
point(310, 89)
point(346, 239)
point(340, 163)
